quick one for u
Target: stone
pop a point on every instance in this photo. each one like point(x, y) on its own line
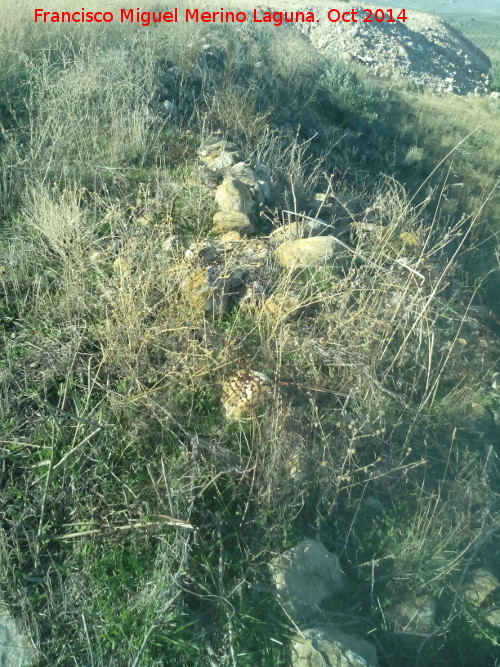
point(284, 307)
point(232, 221)
point(481, 584)
point(230, 240)
point(322, 203)
point(169, 109)
point(495, 95)
point(327, 645)
point(221, 161)
point(413, 616)
point(265, 183)
point(493, 617)
point(299, 229)
point(346, 57)
point(244, 173)
point(172, 243)
point(304, 577)
point(16, 649)
point(253, 252)
point(482, 419)
point(314, 251)
point(244, 393)
point(211, 290)
point(233, 195)
point(219, 154)
point(289, 232)
point(202, 253)
point(122, 266)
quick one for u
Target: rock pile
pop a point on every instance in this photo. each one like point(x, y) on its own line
point(424, 49)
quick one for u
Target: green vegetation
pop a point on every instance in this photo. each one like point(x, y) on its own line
point(495, 75)
point(481, 31)
point(136, 522)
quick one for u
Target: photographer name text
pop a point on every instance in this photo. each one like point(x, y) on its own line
point(176, 15)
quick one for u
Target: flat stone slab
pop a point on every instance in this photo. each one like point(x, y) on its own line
point(314, 251)
point(16, 649)
point(327, 645)
point(305, 576)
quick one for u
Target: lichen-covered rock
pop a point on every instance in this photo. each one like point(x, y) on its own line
point(232, 221)
point(414, 616)
point(172, 243)
point(233, 195)
point(327, 645)
point(253, 252)
point(230, 240)
point(315, 251)
point(218, 154)
point(300, 229)
point(210, 290)
point(284, 307)
point(304, 576)
point(244, 173)
point(493, 617)
point(202, 253)
point(205, 292)
point(480, 585)
point(244, 394)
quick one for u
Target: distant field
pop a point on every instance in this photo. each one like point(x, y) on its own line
point(479, 22)
point(481, 8)
point(484, 33)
